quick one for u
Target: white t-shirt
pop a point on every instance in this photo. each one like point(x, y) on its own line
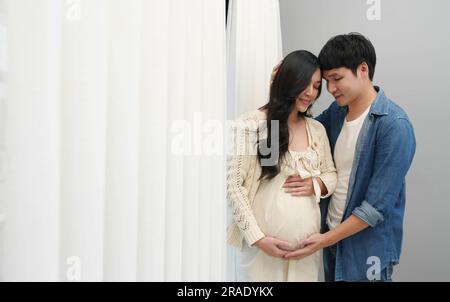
point(344, 153)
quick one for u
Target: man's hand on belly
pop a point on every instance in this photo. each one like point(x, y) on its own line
point(308, 247)
point(315, 242)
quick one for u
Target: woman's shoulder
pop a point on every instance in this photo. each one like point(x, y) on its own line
point(316, 125)
point(255, 115)
point(251, 120)
point(318, 131)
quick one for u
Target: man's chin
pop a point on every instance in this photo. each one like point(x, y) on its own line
point(341, 102)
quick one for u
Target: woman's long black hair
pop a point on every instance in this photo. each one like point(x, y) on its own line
point(293, 77)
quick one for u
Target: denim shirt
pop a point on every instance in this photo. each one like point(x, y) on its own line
point(376, 193)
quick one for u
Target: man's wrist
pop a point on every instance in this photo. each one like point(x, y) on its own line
point(328, 239)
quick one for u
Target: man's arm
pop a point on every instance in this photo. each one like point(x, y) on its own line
point(395, 148)
point(313, 243)
point(349, 227)
point(393, 157)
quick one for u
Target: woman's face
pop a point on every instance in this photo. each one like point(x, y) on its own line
point(307, 97)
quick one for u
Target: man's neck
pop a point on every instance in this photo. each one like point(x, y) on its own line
point(360, 105)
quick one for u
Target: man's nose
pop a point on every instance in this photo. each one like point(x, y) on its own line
point(331, 88)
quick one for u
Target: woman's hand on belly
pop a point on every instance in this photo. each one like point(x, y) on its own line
point(273, 246)
point(297, 186)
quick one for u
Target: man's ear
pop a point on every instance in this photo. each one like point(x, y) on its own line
point(363, 68)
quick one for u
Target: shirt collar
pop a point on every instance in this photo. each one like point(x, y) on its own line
point(380, 105)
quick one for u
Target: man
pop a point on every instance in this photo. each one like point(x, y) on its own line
point(373, 145)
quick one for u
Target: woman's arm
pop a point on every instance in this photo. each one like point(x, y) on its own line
point(328, 176)
point(239, 166)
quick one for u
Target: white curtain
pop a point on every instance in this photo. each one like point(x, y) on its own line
point(94, 187)
point(3, 67)
point(254, 47)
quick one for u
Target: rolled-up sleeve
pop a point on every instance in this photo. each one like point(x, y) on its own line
point(368, 213)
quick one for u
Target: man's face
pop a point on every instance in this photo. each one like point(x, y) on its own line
point(343, 85)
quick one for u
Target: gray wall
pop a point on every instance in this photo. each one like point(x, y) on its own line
point(412, 40)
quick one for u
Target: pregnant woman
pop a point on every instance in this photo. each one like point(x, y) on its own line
point(271, 144)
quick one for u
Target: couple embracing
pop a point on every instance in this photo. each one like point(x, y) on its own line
point(336, 182)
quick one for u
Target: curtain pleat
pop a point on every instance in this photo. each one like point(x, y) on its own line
point(107, 170)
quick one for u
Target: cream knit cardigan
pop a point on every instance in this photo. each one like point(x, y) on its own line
point(244, 170)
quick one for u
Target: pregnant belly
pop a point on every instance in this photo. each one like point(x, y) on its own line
point(286, 217)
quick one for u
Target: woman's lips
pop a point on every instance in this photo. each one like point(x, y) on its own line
point(306, 103)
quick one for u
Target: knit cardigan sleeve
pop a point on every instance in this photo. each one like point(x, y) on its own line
point(327, 168)
point(240, 174)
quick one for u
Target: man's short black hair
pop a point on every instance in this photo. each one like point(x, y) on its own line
point(348, 51)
